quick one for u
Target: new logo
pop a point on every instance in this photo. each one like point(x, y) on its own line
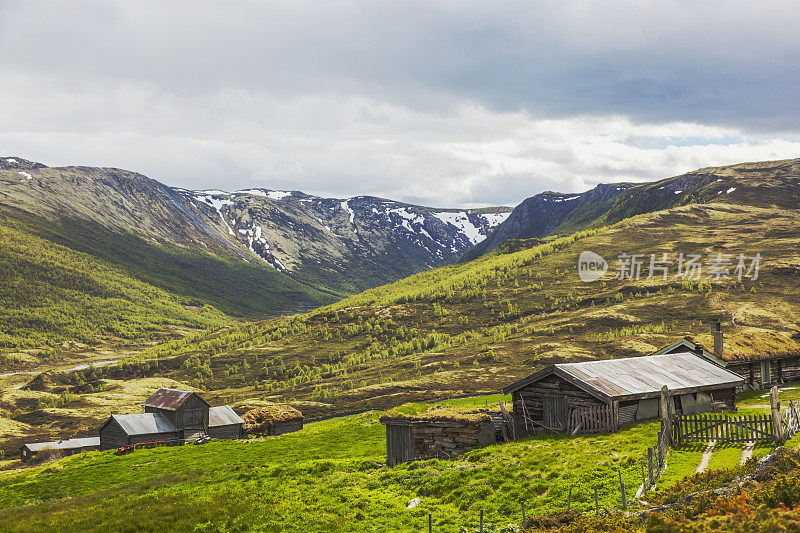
point(591, 266)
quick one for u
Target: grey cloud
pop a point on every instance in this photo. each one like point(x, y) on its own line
point(348, 97)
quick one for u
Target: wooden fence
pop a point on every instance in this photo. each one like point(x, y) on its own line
point(656, 458)
point(723, 428)
point(591, 419)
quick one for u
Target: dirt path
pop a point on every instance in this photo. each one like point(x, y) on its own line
point(706, 457)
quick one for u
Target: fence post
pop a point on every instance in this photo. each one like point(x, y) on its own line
point(775, 407)
point(430, 523)
point(481, 528)
point(650, 466)
point(666, 424)
point(569, 500)
point(622, 490)
point(644, 481)
point(524, 520)
point(596, 507)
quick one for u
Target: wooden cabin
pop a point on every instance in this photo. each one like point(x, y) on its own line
point(273, 419)
point(61, 447)
point(769, 360)
point(224, 423)
point(186, 410)
point(601, 395)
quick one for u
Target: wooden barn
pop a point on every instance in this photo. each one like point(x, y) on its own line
point(121, 430)
point(186, 410)
point(274, 419)
point(62, 447)
point(224, 423)
point(173, 416)
point(600, 395)
point(762, 358)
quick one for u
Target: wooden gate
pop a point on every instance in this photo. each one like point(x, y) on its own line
point(556, 412)
point(590, 419)
point(723, 428)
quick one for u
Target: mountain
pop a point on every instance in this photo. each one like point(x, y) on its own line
point(299, 250)
point(551, 213)
point(346, 245)
point(473, 327)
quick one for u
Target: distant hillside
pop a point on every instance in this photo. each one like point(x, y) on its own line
point(552, 213)
point(299, 250)
point(475, 326)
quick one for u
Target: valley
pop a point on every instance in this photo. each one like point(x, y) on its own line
point(472, 327)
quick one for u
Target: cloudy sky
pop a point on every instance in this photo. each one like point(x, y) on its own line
point(435, 102)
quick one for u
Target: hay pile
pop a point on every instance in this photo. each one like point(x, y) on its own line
point(262, 419)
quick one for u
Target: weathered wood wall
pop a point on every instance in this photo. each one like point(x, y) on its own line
point(289, 426)
point(528, 401)
point(112, 436)
point(232, 431)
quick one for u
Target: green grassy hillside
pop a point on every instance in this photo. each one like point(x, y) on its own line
point(51, 296)
point(330, 477)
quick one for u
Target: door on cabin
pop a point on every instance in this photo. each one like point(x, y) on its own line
point(556, 412)
point(399, 444)
point(766, 372)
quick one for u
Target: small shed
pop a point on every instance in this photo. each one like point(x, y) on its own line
point(186, 410)
point(120, 430)
point(274, 419)
point(224, 423)
point(600, 395)
point(63, 447)
point(435, 433)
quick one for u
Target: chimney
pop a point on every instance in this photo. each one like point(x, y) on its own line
point(718, 338)
point(698, 349)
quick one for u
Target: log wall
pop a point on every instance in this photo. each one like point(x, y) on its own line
point(529, 405)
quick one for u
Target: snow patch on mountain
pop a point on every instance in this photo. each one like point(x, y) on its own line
point(266, 193)
point(212, 199)
point(462, 222)
point(494, 219)
point(24, 174)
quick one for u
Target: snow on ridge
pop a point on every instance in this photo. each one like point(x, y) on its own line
point(494, 219)
point(266, 193)
point(567, 199)
point(217, 204)
point(730, 190)
point(461, 221)
point(11, 160)
point(346, 206)
point(25, 175)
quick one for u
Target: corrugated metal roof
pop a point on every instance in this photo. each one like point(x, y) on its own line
point(169, 399)
point(223, 416)
point(64, 444)
point(144, 423)
point(642, 375)
point(638, 376)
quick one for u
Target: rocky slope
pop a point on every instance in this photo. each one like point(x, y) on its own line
point(334, 245)
point(769, 183)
